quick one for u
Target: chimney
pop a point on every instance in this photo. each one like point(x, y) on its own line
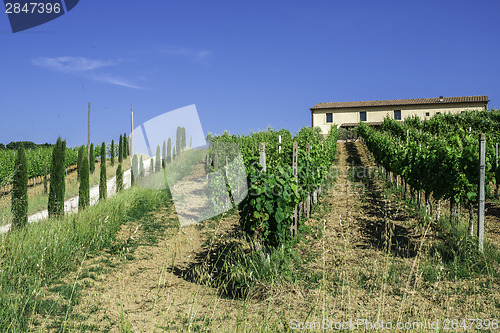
point(441, 98)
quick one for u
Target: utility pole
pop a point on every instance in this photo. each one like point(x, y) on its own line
point(88, 135)
point(131, 131)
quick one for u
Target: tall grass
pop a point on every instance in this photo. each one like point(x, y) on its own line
point(41, 253)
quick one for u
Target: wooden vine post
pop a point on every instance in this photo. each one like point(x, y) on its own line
point(496, 158)
point(308, 199)
point(226, 166)
point(294, 226)
point(216, 161)
point(480, 211)
point(262, 155)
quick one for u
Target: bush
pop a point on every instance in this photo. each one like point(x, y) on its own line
point(267, 210)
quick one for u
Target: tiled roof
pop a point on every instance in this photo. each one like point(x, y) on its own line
point(414, 101)
point(373, 123)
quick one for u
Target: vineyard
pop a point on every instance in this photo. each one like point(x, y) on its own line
point(285, 175)
point(293, 235)
point(37, 159)
point(439, 157)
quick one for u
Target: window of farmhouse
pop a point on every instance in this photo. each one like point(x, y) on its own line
point(362, 115)
point(329, 118)
point(397, 114)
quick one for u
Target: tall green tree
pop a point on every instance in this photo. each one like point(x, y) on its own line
point(151, 166)
point(84, 191)
point(127, 145)
point(119, 178)
point(103, 152)
point(81, 152)
point(169, 150)
point(92, 158)
point(158, 159)
point(135, 169)
point(173, 154)
point(57, 187)
point(183, 139)
point(178, 139)
point(120, 150)
point(19, 199)
point(112, 154)
point(103, 186)
point(164, 155)
point(141, 168)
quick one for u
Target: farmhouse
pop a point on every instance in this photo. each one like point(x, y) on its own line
point(348, 114)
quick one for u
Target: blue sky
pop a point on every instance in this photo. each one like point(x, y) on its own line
point(245, 65)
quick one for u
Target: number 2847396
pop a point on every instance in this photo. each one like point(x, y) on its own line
point(32, 8)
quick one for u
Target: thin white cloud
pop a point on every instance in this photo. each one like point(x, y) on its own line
point(84, 67)
point(71, 64)
point(116, 80)
point(202, 56)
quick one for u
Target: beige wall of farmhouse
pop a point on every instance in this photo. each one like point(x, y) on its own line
point(377, 113)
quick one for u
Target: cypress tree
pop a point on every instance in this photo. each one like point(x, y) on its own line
point(112, 154)
point(183, 139)
point(19, 200)
point(45, 182)
point(169, 150)
point(120, 150)
point(164, 155)
point(84, 191)
point(119, 178)
point(158, 159)
point(125, 145)
point(103, 152)
point(81, 151)
point(135, 169)
point(103, 187)
point(141, 168)
point(92, 158)
point(57, 176)
point(151, 167)
point(173, 154)
point(178, 140)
